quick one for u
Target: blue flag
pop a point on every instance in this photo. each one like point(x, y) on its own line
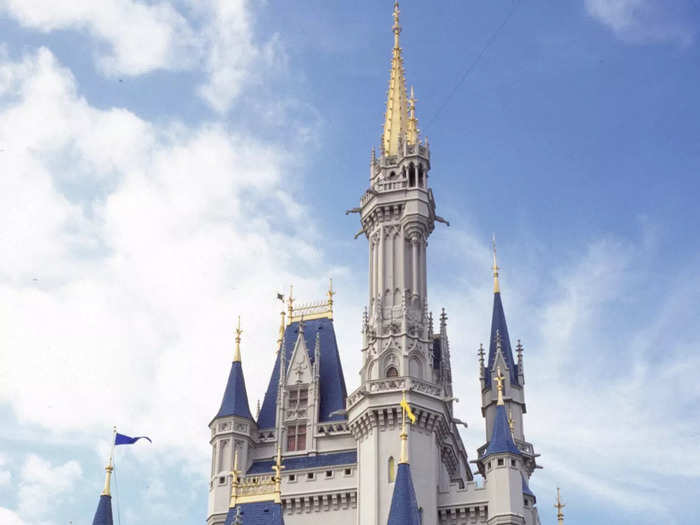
point(121, 439)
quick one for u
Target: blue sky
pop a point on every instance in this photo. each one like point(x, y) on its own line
point(166, 166)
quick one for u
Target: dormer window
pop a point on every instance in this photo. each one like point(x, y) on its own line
point(296, 438)
point(298, 398)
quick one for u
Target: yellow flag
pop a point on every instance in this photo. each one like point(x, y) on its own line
point(409, 413)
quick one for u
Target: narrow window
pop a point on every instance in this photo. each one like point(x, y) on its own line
point(223, 446)
point(296, 438)
point(292, 439)
point(411, 175)
point(392, 469)
point(303, 397)
point(420, 175)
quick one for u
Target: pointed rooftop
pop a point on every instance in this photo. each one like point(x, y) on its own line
point(502, 437)
point(235, 401)
point(396, 119)
point(500, 340)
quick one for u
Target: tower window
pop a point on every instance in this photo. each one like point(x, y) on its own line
point(391, 464)
point(296, 438)
point(392, 372)
point(298, 398)
point(420, 175)
point(411, 175)
point(500, 462)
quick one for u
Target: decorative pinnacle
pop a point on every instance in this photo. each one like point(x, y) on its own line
point(559, 506)
point(278, 468)
point(237, 352)
point(331, 293)
point(396, 28)
point(234, 480)
point(496, 285)
point(511, 423)
point(482, 352)
point(404, 434)
point(290, 302)
point(281, 333)
point(108, 477)
point(499, 382)
point(412, 131)
point(519, 350)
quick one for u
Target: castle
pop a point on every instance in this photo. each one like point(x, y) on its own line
point(389, 452)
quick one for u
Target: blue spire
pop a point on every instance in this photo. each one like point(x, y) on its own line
point(404, 508)
point(235, 401)
point(501, 438)
point(499, 330)
point(103, 516)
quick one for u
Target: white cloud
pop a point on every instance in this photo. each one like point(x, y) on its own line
point(42, 485)
point(133, 38)
point(646, 20)
point(8, 517)
point(121, 294)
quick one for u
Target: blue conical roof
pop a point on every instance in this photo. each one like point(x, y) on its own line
point(103, 516)
point(235, 401)
point(499, 328)
point(501, 437)
point(404, 507)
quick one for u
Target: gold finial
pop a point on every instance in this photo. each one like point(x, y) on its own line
point(234, 480)
point(278, 468)
point(499, 382)
point(396, 27)
point(559, 506)
point(108, 477)
point(331, 293)
point(496, 285)
point(405, 411)
point(396, 118)
point(280, 337)
point(237, 351)
point(412, 131)
point(110, 466)
point(511, 423)
point(290, 302)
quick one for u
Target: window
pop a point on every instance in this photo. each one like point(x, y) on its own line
point(296, 438)
point(223, 446)
point(348, 471)
point(392, 372)
point(222, 480)
point(411, 175)
point(298, 398)
point(391, 475)
point(310, 475)
point(329, 473)
point(500, 462)
point(513, 463)
point(292, 477)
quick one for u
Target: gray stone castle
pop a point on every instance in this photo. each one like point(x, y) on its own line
point(389, 452)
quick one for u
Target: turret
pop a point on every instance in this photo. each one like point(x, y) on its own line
point(500, 356)
point(502, 465)
point(233, 431)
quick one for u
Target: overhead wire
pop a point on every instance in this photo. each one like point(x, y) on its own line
point(472, 65)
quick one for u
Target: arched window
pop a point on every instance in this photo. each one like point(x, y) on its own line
point(420, 175)
point(415, 368)
point(392, 175)
point(411, 175)
point(391, 467)
point(392, 372)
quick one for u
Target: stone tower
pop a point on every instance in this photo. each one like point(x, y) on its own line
point(400, 352)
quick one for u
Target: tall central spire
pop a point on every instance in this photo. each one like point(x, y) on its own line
point(396, 118)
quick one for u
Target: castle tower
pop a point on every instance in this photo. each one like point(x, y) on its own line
point(500, 356)
point(233, 431)
point(400, 351)
point(502, 466)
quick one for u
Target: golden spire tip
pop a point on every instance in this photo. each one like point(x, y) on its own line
point(496, 284)
point(237, 352)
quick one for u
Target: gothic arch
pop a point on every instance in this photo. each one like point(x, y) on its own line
point(411, 175)
point(416, 365)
